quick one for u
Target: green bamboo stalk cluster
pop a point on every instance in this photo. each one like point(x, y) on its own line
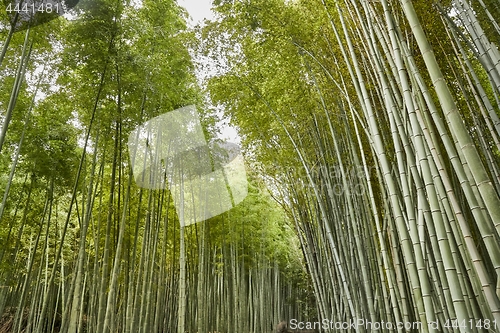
point(82, 247)
point(395, 190)
point(421, 242)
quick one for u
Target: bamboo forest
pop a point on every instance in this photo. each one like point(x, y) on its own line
point(280, 166)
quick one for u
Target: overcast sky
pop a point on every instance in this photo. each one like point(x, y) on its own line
point(198, 9)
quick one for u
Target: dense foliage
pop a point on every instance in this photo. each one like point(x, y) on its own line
point(371, 134)
point(83, 248)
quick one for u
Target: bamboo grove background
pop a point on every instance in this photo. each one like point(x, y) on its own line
point(371, 131)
